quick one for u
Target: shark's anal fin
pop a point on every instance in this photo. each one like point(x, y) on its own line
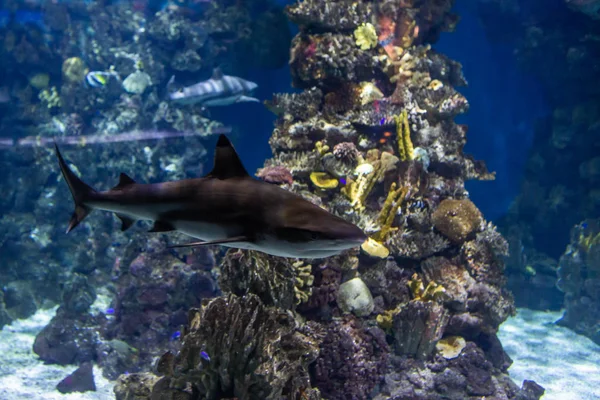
point(124, 181)
point(227, 162)
point(161, 226)
point(126, 222)
point(213, 242)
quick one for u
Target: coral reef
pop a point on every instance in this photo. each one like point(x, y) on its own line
point(579, 279)
point(371, 137)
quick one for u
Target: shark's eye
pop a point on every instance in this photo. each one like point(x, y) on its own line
point(314, 236)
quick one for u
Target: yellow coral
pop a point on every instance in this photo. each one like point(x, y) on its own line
point(321, 148)
point(323, 180)
point(358, 190)
point(405, 146)
point(365, 36)
point(420, 292)
point(386, 319)
point(50, 97)
point(388, 212)
point(74, 69)
point(374, 248)
point(304, 281)
point(451, 346)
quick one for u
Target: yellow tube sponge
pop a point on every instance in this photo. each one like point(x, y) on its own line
point(405, 146)
point(388, 212)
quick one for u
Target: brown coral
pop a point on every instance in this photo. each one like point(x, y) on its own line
point(457, 219)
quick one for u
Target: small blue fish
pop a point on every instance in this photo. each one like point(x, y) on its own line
point(110, 311)
point(205, 356)
point(176, 335)
point(343, 181)
point(584, 225)
point(382, 121)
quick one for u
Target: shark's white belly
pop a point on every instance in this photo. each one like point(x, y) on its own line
point(209, 231)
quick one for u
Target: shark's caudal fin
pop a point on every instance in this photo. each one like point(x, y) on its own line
point(79, 190)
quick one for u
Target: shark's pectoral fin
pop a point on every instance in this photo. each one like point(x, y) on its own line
point(126, 222)
point(161, 226)
point(243, 99)
point(213, 242)
point(124, 181)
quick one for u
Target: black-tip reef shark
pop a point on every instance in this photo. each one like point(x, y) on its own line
point(226, 207)
point(219, 90)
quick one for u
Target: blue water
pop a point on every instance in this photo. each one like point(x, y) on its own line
point(504, 105)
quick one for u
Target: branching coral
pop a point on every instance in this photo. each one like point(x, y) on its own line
point(420, 292)
point(304, 282)
point(389, 211)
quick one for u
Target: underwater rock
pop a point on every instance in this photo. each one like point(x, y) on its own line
point(19, 301)
point(81, 380)
point(354, 296)
point(78, 295)
point(67, 339)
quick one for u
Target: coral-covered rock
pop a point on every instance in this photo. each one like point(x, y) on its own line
point(417, 328)
point(237, 346)
point(270, 278)
point(352, 360)
point(579, 279)
point(67, 339)
point(135, 386)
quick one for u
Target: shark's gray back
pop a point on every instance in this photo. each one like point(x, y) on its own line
point(226, 89)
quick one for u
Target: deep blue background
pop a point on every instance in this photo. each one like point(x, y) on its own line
point(504, 105)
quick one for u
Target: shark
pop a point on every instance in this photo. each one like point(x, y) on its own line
point(219, 90)
point(226, 207)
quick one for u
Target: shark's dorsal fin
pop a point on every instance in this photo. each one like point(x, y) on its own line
point(124, 181)
point(227, 162)
point(217, 74)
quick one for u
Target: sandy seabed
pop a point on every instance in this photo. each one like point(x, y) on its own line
point(566, 364)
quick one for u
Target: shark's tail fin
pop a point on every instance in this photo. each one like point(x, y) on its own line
point(79, 190)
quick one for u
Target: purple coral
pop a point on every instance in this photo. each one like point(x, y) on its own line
point(352, 362)
point(276, 174)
